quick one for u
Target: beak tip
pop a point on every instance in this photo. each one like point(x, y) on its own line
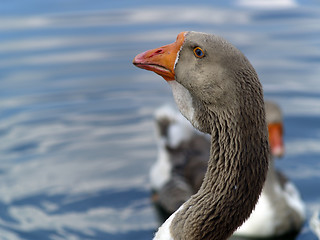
point(278, 152)
point(138, 58)
point(134, 61)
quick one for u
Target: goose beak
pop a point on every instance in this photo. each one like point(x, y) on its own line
point(276, 139)
point(161, 60)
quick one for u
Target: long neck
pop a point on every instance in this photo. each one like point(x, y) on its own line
point(236, 172)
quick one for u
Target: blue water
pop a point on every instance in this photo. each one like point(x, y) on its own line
point(76, 127)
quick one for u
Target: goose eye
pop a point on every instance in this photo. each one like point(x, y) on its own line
point(198, 52)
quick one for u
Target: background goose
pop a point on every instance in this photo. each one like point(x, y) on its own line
point(218, 91)
point(184, 152)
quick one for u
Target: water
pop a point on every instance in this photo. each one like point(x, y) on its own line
point(77, 136)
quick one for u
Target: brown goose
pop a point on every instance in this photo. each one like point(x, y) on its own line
point(218, 91)
point(181, 165)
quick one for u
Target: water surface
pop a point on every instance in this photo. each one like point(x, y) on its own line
point(76, 127)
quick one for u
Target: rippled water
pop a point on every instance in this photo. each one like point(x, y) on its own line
point(77, 137)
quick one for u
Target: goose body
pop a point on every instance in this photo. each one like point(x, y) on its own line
point(279, 210)
point(218, 91)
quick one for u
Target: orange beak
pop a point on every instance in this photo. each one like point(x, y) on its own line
point(161, 60)
point(276, 139)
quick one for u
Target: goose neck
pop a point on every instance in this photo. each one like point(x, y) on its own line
point(234, 179)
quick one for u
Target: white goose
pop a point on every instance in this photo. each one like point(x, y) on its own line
point(218, 91)
point(183, 154)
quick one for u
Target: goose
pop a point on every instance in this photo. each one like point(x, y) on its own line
point(182, 159)
point(216, 88)
point(183, 154)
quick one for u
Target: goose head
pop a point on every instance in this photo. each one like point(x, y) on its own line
point(208, 76)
